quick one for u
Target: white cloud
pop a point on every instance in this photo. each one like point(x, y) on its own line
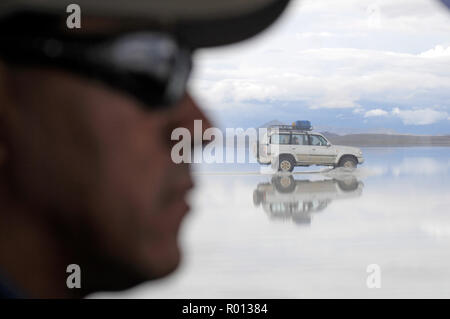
point(437, 52)
point(420, 116)
point(339, 54)
point(379, 15)
point(375, 112)
point(411, 117)
point(314, 34)
point(327, 78)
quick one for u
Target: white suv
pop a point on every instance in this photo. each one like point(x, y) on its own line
point(286, 147)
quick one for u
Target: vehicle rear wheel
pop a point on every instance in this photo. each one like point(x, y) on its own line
point(348, 162)
point(285, 164)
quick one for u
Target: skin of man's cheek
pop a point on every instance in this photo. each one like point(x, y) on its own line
point(132, 180)
point(127, 169)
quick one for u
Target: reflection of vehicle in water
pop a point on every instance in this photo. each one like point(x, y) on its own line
point(288, 198)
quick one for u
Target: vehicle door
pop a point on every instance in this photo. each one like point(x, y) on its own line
point(300, 148)
point(321, 152)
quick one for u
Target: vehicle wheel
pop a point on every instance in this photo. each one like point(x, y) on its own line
point(285, 164)
point(347, 162)
point(284, 184)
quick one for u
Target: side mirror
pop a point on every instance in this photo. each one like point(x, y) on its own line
point(328, 144)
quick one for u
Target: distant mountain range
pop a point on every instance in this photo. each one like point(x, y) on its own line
point(274, 122)
point(387, 140)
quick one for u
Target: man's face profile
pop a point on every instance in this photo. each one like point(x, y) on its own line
point(86, 175)
point(91, 161)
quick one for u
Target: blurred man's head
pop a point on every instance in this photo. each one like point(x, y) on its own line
point(85, 122)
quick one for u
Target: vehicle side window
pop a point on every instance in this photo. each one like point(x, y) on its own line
point(280, 139)
point(317, 140)
point(299, 139)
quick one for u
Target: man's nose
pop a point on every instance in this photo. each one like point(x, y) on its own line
point(186, 113)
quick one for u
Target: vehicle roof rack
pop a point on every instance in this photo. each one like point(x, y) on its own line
point(289, 127)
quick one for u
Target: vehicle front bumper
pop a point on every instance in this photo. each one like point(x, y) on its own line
point(360, 159)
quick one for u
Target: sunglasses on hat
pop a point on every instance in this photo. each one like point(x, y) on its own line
point(151, 66)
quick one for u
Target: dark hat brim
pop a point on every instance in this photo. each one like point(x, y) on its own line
point(200, 23)
point(228, 30)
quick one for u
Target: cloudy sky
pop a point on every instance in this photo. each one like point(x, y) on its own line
point(347, 65)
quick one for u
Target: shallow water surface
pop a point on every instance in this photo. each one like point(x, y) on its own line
point(314, 233)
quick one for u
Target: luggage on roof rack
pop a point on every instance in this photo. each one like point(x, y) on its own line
point(302, 125)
